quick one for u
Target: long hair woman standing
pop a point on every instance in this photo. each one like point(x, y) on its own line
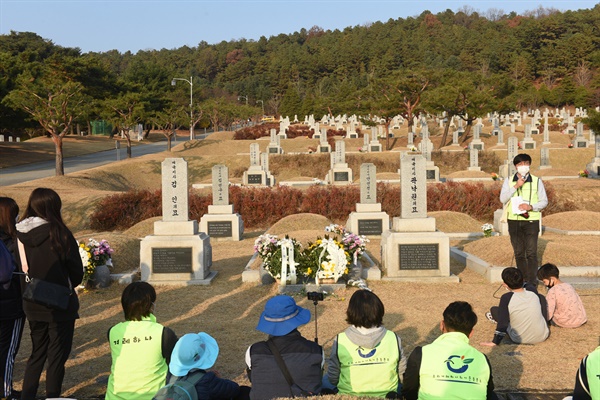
point(52, 255)
point(12, 318)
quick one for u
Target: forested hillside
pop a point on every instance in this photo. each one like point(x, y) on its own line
point(458, 62)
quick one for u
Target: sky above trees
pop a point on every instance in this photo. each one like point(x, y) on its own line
point(133, 25)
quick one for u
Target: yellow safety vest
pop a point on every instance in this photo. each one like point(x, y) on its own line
point(452, 369)
point(368, 372)
point(592, 369)
point(529, 193)
point(138, 368)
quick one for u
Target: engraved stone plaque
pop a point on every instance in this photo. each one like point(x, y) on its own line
point(340, 176)
point(172, 260)
point(370, 226)
point(430, 174)
point(419, 256)
point(255, 179)
point(219, 229)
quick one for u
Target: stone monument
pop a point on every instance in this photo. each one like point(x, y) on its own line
point(593, 167)
point(256, 174)
point(413, 250)
point(340, 173)
point(528, 143)
point(368, 219)
point(221, 223)
point(177, 253)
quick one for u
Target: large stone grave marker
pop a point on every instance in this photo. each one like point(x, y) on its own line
point(413, 250)
point(476, 143)
point(528, 143)
point(580, 142)
point(374, 145)
point(274, 143)
point(593, 167)
point(221, 223)
point(368, 219)
point(324, 146)
point(177, 253)
point(340, 173)
point(474, 160)
point(545, 158)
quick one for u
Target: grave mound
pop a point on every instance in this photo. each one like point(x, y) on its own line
point(299, 222)
point(574, 221)
point(451, 221)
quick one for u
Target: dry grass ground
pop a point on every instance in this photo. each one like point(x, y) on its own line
point(229, 309)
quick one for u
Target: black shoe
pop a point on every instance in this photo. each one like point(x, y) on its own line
point(14, 395)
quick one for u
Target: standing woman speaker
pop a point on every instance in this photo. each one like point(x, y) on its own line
point(51, 254)
point(12, 318)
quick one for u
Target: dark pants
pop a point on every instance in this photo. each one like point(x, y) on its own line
point(10, 340)
point(50, 341)
point(524, 239)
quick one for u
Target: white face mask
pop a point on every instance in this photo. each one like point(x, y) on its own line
point(523, 170)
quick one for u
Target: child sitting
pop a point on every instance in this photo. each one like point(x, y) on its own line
point(521, 312)
point(565, 308)
point(195, 354)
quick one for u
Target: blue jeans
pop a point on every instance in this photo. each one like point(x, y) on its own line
point(524, 239)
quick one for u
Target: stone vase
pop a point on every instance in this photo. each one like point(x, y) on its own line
point(101, 276)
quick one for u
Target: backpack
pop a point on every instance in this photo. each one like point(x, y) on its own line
point(7, 266)
point(180, 388)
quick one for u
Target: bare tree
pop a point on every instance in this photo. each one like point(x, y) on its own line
point(583, 74)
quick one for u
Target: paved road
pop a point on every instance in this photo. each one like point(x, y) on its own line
point(43, 169)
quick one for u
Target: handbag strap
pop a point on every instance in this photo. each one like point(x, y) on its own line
point(281, 364)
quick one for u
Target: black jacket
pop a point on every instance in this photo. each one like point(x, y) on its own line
point(303, 358)
point(46, 264)
point(11, 306)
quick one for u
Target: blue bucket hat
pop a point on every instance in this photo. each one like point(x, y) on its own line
point(281, 316)
point(193, 350)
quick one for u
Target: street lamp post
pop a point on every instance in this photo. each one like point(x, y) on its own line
point(262, 103)
point(243, 97)
point(191, 82)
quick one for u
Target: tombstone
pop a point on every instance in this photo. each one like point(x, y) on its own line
point(545, 158)
point(508, 168)
point(365, 146)
point(274, 146)
point(476, 143)
point(324, 146)
point(177, 253)
point(528, 143)
point(455, 138)
point(474, 160)
point(368, 219)
point(10, 138)
point(264, 165)
point(413, 250)
point(432, 172)
point(18, 139)
point(352, 134)
point(339, 174)
point(221, 223)
point(580, 142)
point(255, 175)
point(411, 138)
point(512, 128)
point(592, 137)
point(546, 140)
point(374, 145)
point(1, 138)
point(500, 134)
point(593, 167)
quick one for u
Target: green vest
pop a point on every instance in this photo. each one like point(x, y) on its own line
point(529, 193)
point(452, 369)
point(592, 369)
point(368, 372)
point(138, 368)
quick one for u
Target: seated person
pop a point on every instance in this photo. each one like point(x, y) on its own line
point(366, 359)
point(565, 308)
point(303, 358)
point(521, 313)
point(450, 368)
point(587, 381)
point(192, 356)
point(140, 347)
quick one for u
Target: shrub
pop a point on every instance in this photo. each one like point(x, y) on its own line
point(333, 202)
point(262, 207)
point(121, 211)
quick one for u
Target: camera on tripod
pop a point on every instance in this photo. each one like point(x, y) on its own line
point(315, 296)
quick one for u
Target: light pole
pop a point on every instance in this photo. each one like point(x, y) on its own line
point(243, 97)
point(262, 103)
point(191, 82)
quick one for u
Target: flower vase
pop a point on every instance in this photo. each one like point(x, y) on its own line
point(101, 276)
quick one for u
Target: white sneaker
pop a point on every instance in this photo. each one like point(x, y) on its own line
point(488, 315)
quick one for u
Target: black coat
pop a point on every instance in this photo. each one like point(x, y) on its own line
point(46, 264)
point(11, 306)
